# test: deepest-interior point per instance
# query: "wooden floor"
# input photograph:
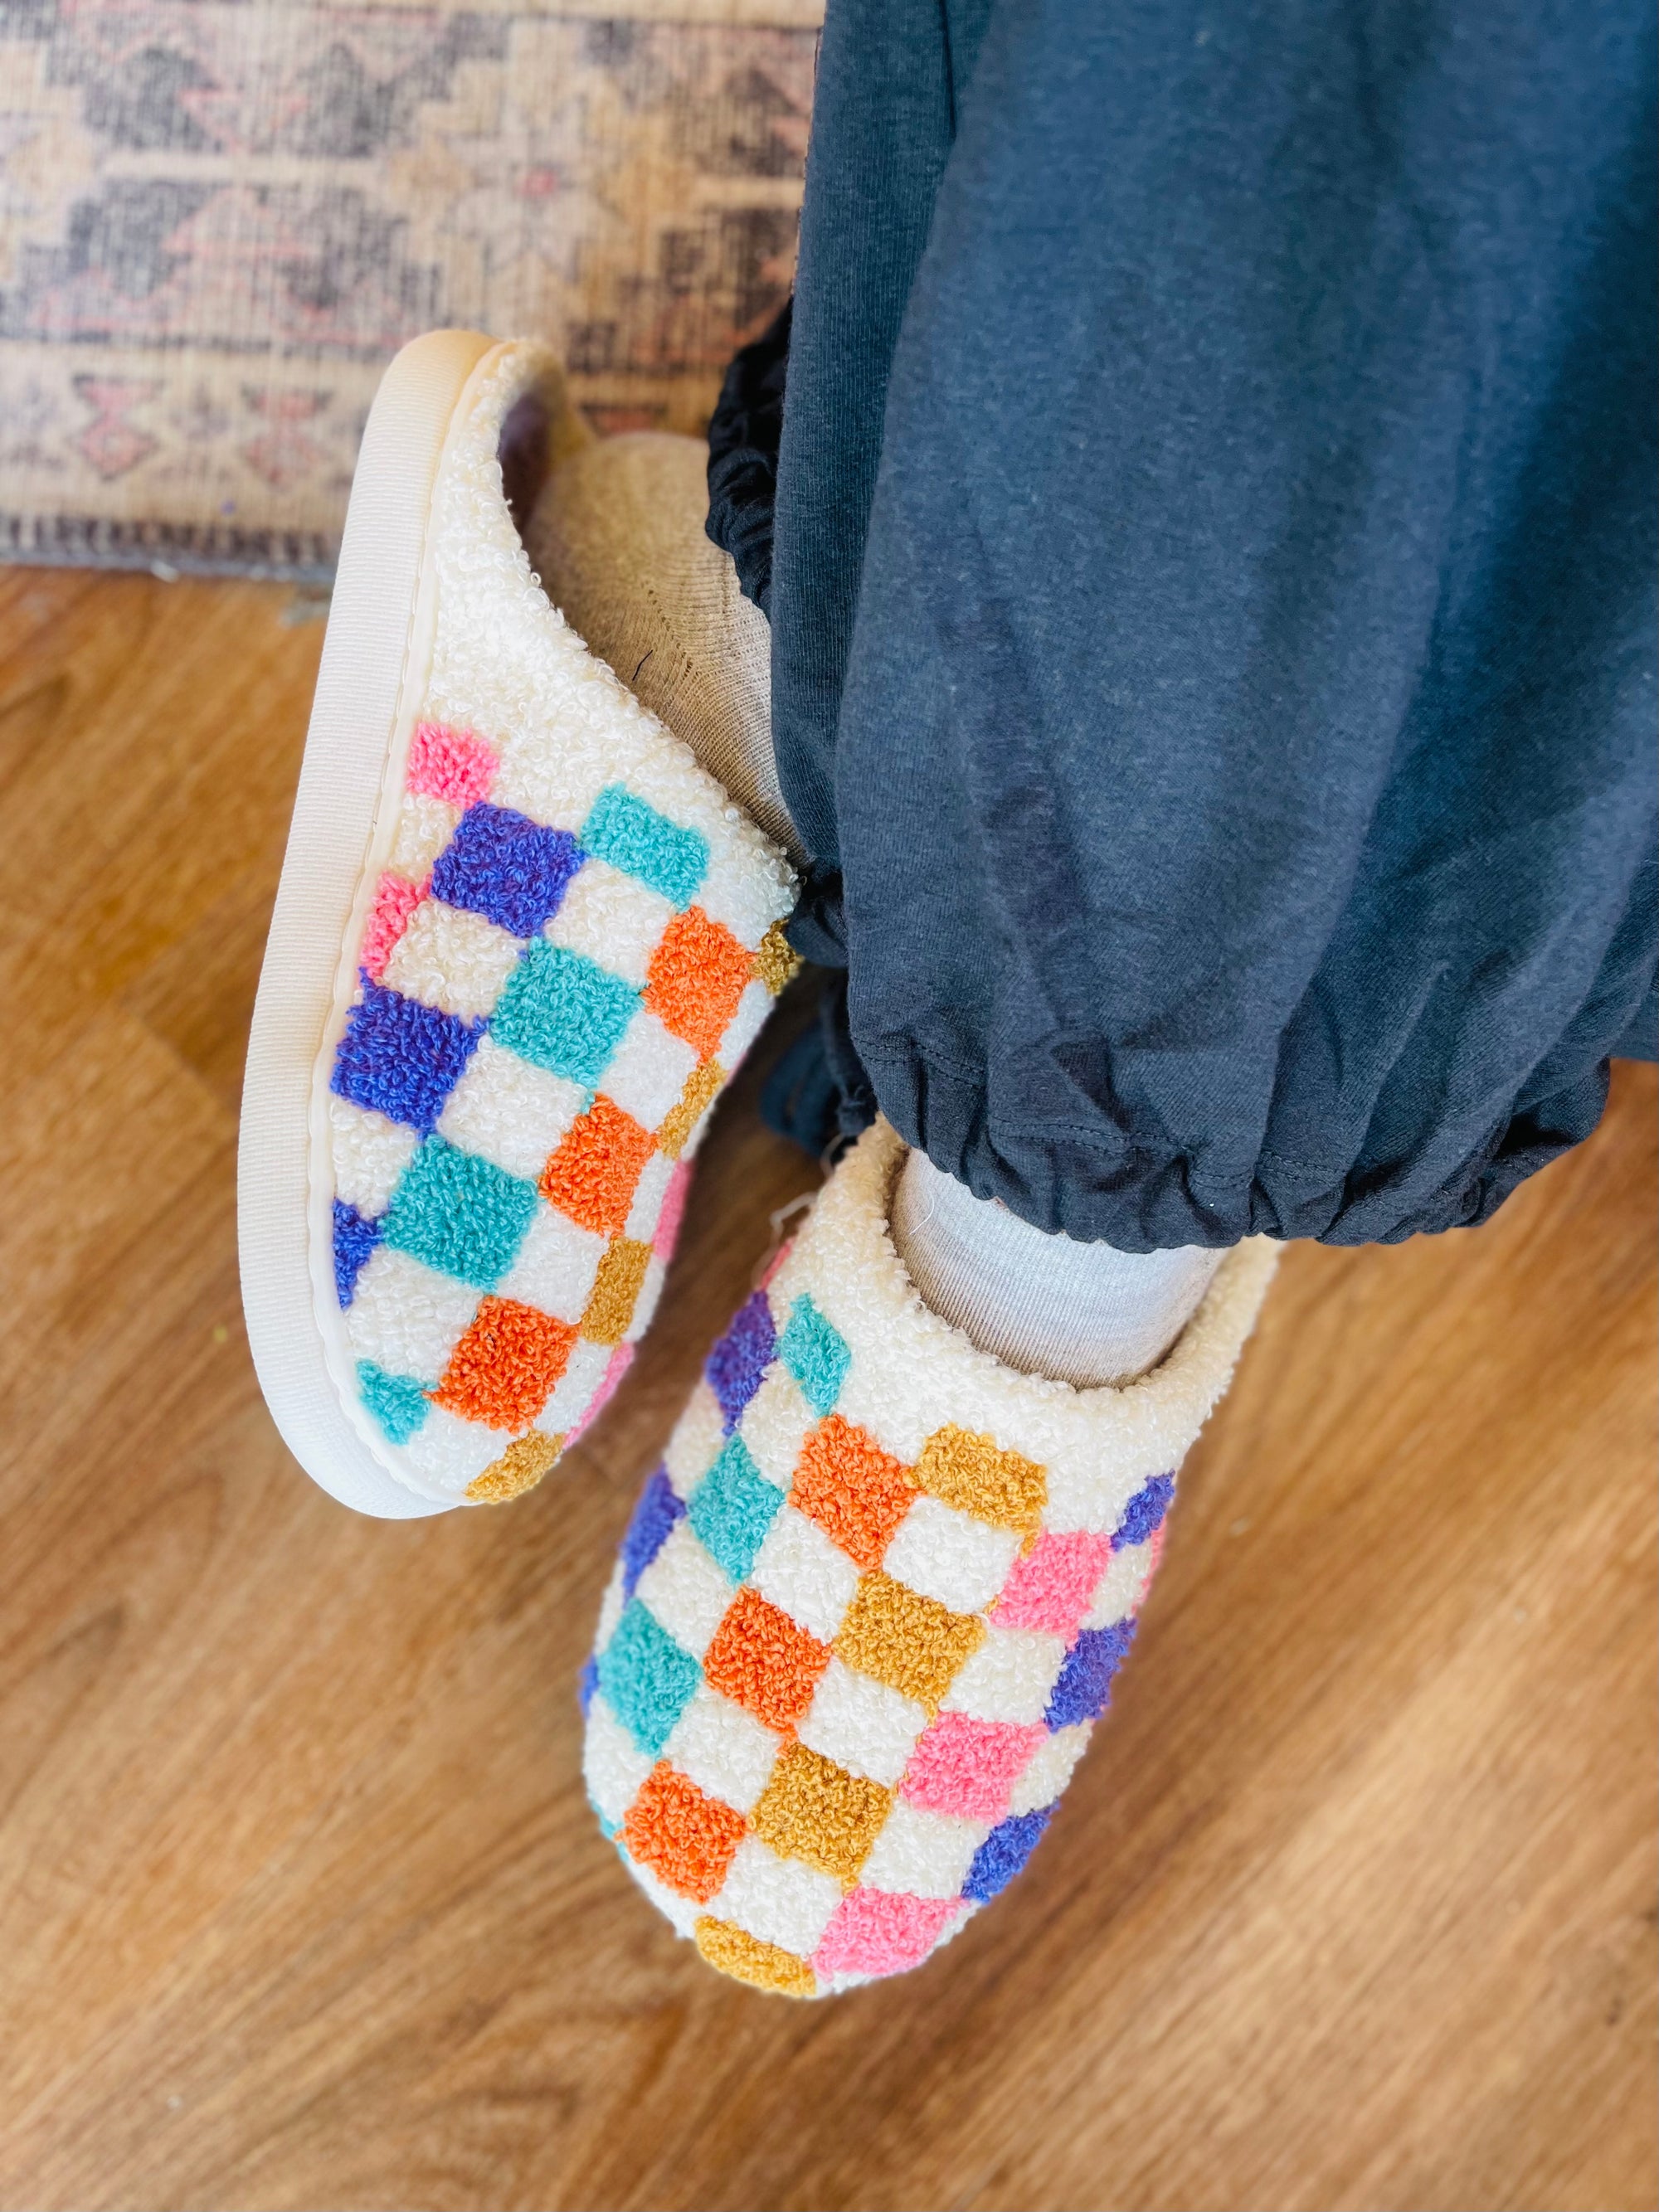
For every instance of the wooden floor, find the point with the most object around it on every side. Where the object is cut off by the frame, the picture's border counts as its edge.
(301, 1905)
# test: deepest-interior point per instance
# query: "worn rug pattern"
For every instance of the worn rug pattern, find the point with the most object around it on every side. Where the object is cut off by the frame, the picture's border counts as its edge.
(219, 218)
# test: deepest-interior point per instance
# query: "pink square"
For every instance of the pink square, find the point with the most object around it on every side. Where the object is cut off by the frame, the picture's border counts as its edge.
(450, 764)
(874, 1932)
(969, 1767)
(1051, 1586)
(775, 1263)
(395, 899)
(621, 1360)
(673, 1213)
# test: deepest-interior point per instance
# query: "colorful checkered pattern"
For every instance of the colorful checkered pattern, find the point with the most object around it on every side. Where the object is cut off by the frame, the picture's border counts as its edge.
(554, 983)
(837, 1691)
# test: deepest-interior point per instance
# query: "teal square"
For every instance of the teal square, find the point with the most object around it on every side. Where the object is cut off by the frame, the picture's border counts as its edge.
(562, 1011)
(733, 1508)
(458, 1214)
(816, 1355)
(646, 1677)
(633, 837)
(397, 1402)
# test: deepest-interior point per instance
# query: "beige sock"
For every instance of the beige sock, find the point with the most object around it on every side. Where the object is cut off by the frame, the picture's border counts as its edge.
(617, 539)
(1085, 1314)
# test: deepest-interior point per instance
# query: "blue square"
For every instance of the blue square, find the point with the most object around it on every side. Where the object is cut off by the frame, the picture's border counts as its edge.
(505, 867)
(397, 1402)
(562, 1011)
(1004, 1853)
(733, 1508)
(655, 1512)
(458, 1214)
(354, 1238)
(402, 1059)
(815, 1355)
(647, 1678)
(633, 837)
(1085, 1688)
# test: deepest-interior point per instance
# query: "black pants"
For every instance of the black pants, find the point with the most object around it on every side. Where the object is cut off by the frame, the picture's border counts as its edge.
(1209, 553)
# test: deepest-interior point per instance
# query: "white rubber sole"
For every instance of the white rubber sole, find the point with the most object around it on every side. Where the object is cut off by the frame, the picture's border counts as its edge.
(376, 658)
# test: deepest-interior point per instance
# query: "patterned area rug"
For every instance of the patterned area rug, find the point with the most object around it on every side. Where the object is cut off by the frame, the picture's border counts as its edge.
(219, 218)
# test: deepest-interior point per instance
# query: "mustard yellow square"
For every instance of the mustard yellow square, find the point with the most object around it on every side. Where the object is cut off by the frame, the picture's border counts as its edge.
(817, 1811)
(912, 1642)
(972, 1473)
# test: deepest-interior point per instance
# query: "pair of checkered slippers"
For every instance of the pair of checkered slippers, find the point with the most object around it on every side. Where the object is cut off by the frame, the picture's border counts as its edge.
(869, 1608)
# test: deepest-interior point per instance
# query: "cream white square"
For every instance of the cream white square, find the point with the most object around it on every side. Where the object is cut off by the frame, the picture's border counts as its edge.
(614, 919)
(778, 1900)
(508, 1112)
(370, 1154)
(801, 1571)
(723, 1749)
(425, 826)
(646, 1072)
(613, 1765)
(1122, 1587)
(683, 1911)
(1050, 1768)
(583, 1374)
(452, 1452)
(698, 1435)
(685, 1591)
(862, 1724)
(557, 1265)
(1010, 1678)
(610, 1607)
(649, 1192)
(406, 1317)
(554, 770)
(452, 960)
(947, 1555)
(920, 1853)
(743, 888)
(775, 1424)
(745, 1025)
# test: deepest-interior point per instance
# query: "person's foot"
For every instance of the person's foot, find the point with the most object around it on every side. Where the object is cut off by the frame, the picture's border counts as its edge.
(521, 941)
(869, 1608)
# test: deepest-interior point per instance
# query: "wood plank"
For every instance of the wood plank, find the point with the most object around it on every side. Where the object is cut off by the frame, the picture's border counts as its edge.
(1352, 1904)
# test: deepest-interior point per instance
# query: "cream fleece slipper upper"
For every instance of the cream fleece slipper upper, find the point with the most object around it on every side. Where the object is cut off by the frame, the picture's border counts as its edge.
(521, 941)
(869, 1609)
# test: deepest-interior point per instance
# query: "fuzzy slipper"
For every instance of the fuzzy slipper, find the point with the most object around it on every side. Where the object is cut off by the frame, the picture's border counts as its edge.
(520, 942)
(870, 1607)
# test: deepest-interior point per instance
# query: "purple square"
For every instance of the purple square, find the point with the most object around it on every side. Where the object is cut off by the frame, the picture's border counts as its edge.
(737, 1364)
(1144, 1512)
(1085, 1688)
(400, 1058)
(1004, 1853)
(654, 1515)
(505, 867)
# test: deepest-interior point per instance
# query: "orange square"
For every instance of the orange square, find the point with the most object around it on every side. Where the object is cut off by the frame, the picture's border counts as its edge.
(763, 1661)
(697, 973)
(592, 1175)
(856, 1493)
(685, 1838)
(503, 1369)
